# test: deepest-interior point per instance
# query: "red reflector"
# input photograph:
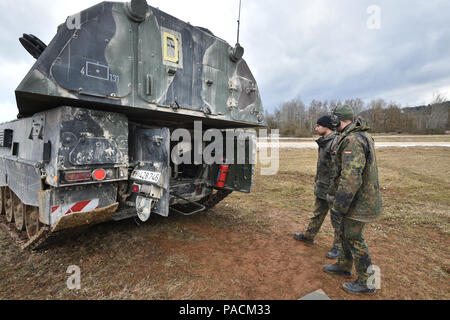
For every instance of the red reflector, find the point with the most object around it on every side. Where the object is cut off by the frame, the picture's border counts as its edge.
(135, 188)
(99, 174)
(78, 176)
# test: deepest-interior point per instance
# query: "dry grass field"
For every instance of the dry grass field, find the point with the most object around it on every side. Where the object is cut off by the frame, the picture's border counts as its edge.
(243, 249)
(393, 138)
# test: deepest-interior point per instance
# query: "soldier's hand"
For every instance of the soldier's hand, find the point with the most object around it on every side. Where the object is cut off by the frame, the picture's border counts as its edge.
(330, 199)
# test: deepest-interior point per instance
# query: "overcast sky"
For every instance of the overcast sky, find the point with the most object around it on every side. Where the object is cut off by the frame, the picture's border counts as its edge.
(313, 49)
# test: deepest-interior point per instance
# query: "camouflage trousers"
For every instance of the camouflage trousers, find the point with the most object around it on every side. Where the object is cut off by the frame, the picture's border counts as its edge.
(354, 248)
(321, 209)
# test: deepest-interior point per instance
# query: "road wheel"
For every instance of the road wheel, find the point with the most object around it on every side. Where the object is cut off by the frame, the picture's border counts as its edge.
(9, 205)
(2, 200)
(32, 224)
(19, 220)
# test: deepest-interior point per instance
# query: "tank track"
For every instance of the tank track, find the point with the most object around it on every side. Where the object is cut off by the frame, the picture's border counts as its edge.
(45, 237)
(21, 238)
(41, 237)
(20, 233)
(41, 240)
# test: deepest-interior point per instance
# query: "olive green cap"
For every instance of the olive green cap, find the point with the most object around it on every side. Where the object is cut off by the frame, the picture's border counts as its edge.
(344, 112)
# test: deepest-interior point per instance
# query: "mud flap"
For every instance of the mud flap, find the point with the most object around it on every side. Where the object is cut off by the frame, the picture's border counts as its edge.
(144, 208)
(90, 218)
(150, 148)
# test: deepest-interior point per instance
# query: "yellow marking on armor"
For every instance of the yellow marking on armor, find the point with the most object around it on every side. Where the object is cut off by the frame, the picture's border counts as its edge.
(174, 59)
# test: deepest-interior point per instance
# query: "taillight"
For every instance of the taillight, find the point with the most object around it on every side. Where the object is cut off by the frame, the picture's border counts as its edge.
(78, 176)
(135, 188)
(99, 175)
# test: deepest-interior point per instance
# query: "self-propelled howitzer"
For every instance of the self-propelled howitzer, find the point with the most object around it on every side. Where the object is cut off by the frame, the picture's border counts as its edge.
(96, 112)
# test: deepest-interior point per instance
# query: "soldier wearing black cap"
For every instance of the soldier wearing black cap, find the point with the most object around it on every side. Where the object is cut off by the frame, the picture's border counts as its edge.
(323, 178)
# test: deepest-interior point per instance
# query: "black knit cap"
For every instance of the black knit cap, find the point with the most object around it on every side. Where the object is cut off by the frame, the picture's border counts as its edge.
(325, 121)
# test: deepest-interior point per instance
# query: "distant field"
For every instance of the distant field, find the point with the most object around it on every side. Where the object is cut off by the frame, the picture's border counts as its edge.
(243, 249)
(410, 138)
(388, 138)
(382, 141)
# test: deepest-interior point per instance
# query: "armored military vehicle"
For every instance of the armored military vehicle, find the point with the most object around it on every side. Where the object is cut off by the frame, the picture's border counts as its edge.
(97, 111)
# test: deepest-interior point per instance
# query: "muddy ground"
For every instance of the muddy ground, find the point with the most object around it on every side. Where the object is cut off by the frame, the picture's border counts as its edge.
(243, 249)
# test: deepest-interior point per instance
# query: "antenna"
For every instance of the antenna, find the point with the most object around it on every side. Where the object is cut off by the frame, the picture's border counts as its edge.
(237, 52)
(239, 20)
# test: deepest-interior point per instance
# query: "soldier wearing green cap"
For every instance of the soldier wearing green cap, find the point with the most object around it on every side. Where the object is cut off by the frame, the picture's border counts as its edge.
(355, 191)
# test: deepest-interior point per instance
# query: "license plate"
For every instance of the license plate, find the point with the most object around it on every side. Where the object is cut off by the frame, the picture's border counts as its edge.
(148, 176)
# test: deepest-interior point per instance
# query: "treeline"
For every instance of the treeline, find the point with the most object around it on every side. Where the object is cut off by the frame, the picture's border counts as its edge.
(295, 119)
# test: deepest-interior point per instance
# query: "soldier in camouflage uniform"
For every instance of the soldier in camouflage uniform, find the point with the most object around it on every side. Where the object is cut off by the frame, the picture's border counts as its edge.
(324, 173)
(356, 192)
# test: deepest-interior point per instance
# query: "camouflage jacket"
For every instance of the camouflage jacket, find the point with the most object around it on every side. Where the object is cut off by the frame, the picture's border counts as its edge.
(324, 165)
(355, 184)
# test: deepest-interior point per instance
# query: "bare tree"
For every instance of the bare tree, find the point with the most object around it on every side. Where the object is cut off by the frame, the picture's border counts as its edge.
(438, 97)
(393, 118)
(376, 115)
(292, 117)
(436, 114)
